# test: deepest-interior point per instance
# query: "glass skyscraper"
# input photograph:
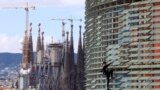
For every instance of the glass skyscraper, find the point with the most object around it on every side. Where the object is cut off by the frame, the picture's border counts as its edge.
(127, 33)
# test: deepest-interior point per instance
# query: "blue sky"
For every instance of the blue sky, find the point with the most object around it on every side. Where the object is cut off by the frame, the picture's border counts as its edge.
(12, 21)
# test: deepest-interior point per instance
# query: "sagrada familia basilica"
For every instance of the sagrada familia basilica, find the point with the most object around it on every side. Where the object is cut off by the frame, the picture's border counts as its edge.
(52, 67)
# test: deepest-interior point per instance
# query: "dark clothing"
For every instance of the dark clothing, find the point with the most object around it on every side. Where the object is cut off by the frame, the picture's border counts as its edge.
(108, 73)
(104, 69)
(111, 73)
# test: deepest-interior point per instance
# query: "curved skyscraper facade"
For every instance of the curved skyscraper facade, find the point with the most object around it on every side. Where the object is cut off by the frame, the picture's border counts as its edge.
(127, 33)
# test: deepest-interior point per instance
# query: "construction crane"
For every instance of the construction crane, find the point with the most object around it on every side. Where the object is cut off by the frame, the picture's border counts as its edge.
(63, 28)
(63, 24)
(71, 20)
(26, 8)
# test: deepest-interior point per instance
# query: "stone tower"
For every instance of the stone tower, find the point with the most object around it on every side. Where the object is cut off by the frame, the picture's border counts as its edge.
(32, 61)
(80, 64)
(25, 50)
(72, 63)
(24, 81)
(31, 53)
(42, 44)
(39, 47)
(66, 77)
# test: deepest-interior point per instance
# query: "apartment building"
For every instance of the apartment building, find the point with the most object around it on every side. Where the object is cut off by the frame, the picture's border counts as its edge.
(127, 33)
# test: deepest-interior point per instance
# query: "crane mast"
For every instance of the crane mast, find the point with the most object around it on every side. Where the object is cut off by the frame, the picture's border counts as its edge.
(27, 14)
(63, 25)
(26, 8)
(71, 20)
(63, 28)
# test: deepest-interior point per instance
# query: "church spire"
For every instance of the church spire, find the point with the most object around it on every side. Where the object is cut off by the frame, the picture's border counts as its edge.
(25, 51)
(71, 48)
(80, 39)
(42, 46)
(80, 65)
(66, 67)
(39, 38)
(39, 47)
(42, 40)
(67, 41)
(72, 64)
(31, 54)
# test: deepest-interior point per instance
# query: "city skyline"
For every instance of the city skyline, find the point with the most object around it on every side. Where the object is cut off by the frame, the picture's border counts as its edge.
(44, 12)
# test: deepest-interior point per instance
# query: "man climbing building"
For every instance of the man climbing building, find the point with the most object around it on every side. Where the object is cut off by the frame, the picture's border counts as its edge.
(107, 72)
